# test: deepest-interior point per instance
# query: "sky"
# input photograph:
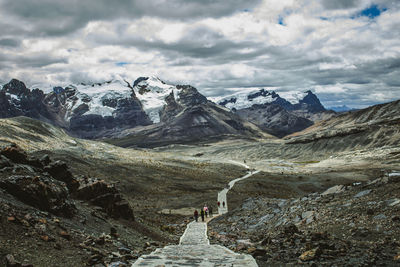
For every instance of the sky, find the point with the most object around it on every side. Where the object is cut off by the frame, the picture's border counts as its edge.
(346, 51)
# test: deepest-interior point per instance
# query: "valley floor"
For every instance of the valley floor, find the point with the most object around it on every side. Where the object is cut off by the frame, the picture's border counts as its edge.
(278, 215)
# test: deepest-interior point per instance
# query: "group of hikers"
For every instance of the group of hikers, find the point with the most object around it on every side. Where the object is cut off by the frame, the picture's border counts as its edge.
(206, 211)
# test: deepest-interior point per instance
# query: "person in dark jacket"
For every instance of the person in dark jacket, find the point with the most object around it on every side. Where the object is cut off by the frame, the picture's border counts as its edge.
(202, 215)
(210, 210)
(196, 215)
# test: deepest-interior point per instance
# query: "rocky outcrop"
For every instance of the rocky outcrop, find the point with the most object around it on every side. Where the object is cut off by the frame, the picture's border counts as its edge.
(171, 109)
(106, 196)
(48, 185)
(189, 96)
(40, 192)
(59, 171)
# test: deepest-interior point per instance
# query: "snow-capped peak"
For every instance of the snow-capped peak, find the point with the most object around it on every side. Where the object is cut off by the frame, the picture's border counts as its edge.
(246, 99)
(152, 92)
(294, 97)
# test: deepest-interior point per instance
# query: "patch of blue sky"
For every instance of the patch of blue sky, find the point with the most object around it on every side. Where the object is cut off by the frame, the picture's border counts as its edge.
(122, 63)
(281, 20)
(371, 12)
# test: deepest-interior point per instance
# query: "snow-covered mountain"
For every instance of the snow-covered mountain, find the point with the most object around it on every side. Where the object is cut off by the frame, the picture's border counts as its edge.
(277, 114)
(290, 100)
(113, 108)
(242, 100)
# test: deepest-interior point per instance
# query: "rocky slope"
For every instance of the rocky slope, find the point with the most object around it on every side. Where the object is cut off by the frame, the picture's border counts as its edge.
(41, 210)
(274, 119)
(276, 114)
(347, 225)
(376, 126)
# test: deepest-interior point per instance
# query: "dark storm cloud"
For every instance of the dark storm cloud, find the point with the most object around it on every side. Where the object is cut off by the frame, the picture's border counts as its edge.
(33, 60)
(9, 42)
(340, 4)
(49, 17)
(199, 42)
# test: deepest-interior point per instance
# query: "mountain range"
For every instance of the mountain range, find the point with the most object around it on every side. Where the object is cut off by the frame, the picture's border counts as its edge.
(149, 112)
(275, 114)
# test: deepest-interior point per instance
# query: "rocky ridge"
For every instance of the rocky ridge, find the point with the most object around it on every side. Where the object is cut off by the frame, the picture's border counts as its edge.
(373, 127)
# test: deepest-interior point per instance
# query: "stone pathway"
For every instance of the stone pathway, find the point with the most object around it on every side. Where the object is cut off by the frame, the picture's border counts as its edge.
(194, 248)
(222, 194)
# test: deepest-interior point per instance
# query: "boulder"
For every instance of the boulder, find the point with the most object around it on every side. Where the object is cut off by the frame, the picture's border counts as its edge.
(334, 190)
(362, 193)
(310, 255)
(11, 262)
(15, 154)
(40, 192)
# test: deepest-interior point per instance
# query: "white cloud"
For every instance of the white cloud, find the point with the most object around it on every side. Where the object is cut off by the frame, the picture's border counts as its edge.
(332, 89)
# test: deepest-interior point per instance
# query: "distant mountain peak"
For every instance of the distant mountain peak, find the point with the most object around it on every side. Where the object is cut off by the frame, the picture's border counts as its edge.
(312, 101)
(342, 108)
(16, 87)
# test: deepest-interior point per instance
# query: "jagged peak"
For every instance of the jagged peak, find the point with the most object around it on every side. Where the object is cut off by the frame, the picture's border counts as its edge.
(15, 87)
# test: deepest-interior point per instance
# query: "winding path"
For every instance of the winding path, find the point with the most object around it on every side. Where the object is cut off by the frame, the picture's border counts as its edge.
(222, 194)
(194, 248)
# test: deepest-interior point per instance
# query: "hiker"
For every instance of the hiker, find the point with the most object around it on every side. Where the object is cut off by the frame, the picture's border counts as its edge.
(219, 204)
(206, 210)
(202, 215)
(210, 210)
(196, 215)
(223, 204)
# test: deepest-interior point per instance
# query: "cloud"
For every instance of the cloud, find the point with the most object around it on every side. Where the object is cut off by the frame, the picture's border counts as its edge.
(75, 14)
(340, 4)
(326, 46)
